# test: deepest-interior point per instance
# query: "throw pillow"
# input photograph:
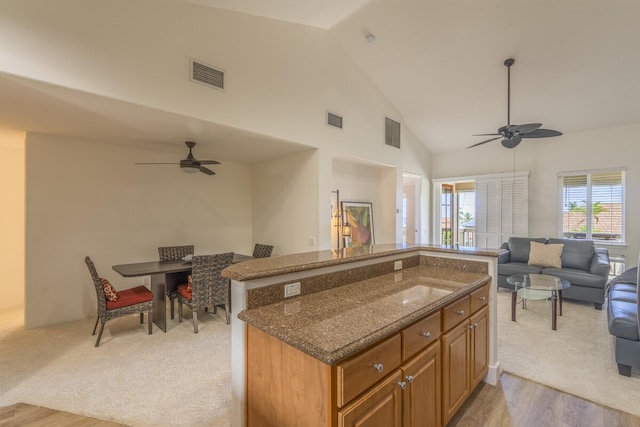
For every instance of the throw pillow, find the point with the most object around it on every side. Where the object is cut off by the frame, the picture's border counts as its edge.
(190, 284)
(109, 291)
(548, 255)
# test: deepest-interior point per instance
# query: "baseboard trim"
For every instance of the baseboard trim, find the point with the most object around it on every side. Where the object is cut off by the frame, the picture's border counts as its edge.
(493, 374)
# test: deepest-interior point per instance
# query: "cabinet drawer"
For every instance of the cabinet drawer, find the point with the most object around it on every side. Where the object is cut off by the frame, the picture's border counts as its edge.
(455, 312)
(420, 335)
(360, 372)
(479, 298)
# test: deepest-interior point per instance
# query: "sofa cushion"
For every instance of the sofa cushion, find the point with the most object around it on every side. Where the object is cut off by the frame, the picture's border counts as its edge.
(519, 248)
(545, 255)
(622, 293)
(514, 268)
(576, 253)
(623, 319)
(577, 277)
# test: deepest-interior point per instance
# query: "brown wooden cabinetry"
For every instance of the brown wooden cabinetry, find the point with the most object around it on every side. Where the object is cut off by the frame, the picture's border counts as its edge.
(421, 398)
(464, 354)
(417, 377)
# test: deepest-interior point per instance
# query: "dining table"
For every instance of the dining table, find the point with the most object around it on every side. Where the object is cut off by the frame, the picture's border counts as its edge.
(165, 278)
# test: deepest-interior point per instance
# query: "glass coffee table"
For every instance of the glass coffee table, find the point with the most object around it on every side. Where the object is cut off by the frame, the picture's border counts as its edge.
(535, 287)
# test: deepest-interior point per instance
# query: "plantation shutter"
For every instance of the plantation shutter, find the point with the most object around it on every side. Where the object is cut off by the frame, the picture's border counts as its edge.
(501, 209)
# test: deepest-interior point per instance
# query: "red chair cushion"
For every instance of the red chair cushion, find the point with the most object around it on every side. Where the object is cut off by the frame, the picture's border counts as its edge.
(130, 297)
(110, 292)
(185, 291)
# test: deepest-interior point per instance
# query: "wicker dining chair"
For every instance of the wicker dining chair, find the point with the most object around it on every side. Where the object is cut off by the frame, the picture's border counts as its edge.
(262, 251)
(209, 288)
(129, 301)
(173, 253)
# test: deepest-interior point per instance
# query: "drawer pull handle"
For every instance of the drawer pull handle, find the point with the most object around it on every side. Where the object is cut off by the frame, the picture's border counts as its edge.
(409, 378)
(483, 299)
(460, 312)
(402, 385)
(426, 334)
(378, 367)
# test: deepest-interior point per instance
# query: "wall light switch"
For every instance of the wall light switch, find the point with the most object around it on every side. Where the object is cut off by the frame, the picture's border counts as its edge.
(292, 289)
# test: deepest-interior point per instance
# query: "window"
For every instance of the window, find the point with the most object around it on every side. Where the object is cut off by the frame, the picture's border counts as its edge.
(593, 205)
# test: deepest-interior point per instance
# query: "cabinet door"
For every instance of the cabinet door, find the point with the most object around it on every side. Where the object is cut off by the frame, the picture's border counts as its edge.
(455, 369)
(421, 404)
(380, 407)
(479, 346)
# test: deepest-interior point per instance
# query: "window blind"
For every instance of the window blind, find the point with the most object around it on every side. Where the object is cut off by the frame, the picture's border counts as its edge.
(593, 206)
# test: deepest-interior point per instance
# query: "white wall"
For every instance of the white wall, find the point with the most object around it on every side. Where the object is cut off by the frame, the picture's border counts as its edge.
(280, 77)
(87, 198)
(544, 158)
(360, 182)
(285, 200)
(12, 218)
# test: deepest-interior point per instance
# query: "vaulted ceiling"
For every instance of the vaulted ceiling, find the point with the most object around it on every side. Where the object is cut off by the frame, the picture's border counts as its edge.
(440, 62)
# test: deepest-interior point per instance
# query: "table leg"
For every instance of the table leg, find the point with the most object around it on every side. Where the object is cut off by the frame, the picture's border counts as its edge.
(514, 298)
(560, 300)
(554, 309)
(159, 290)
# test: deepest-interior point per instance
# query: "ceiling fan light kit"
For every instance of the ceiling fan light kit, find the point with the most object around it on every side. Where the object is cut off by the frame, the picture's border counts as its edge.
(191, 164)
(512, 135)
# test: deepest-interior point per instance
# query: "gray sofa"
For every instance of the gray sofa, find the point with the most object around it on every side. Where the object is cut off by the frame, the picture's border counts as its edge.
(583, 265)
(623, 314)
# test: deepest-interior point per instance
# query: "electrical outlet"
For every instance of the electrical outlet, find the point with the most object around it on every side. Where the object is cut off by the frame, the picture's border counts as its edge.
(397, 265)
(292, 289)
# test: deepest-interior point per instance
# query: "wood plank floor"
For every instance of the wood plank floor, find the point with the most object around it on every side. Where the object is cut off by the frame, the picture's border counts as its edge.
(514, 402)
(22, 414)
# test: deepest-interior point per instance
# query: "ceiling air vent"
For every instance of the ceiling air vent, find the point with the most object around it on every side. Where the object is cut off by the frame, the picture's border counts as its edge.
(334, 120)
(206, 75)
(391, 132)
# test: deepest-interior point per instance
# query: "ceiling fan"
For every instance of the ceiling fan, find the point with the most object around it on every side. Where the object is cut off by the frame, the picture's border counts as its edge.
(190, 164)
(512, 134)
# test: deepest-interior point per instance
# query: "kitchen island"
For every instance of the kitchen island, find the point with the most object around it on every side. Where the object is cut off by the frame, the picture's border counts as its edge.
(352, 302)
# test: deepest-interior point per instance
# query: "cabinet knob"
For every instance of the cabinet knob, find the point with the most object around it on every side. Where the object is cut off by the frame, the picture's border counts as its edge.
(426, 334)
(378, 367)
(409, 378)
(402, 385)
(475, 325)
(483, 299)
(460, 312)
(470, 326)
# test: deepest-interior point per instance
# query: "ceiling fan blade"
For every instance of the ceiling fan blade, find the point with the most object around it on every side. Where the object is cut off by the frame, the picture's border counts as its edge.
(156, 163)
(484, 142)
(526, 128)
(207, 171)
(208, 162)
(542, 133)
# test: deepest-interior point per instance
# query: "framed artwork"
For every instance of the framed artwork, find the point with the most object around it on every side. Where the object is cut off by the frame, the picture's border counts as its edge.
(360, 216)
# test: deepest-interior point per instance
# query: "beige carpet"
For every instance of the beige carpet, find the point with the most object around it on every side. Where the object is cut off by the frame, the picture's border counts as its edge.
(577, 358)
(176, 378)
(180, 378)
